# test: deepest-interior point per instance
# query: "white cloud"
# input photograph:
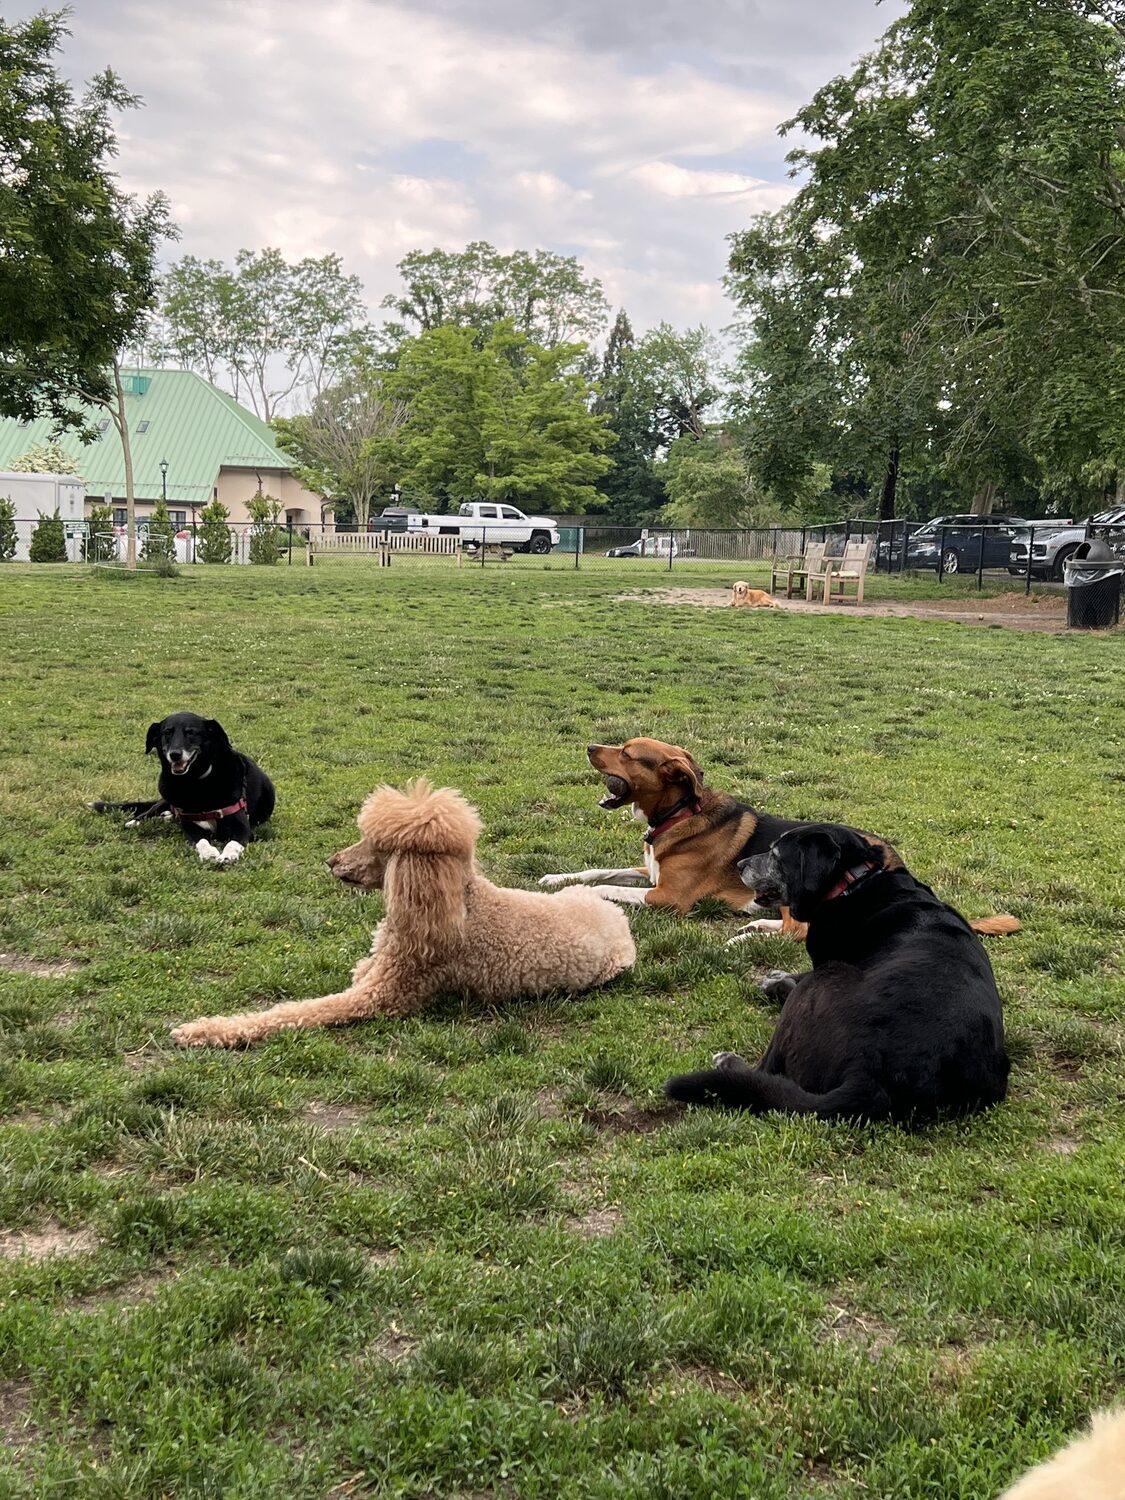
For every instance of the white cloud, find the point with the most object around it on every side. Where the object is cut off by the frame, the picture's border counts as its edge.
(625, 134)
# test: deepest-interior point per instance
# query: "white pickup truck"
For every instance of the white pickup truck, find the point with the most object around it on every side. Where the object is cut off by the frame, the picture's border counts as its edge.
(494, 524)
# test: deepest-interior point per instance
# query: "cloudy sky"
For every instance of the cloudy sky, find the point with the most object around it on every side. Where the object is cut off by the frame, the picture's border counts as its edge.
(634, 134)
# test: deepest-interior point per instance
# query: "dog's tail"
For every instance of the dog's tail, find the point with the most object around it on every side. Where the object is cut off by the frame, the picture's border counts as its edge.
(1001, 925)
(750, 1088)
(430, 835)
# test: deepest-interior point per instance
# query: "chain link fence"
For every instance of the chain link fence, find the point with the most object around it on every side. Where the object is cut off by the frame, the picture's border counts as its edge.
(991, 546)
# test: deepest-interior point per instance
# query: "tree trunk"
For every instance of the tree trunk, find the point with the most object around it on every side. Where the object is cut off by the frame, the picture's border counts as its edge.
(890, 487)
(983, 499)
(1119, 497)
(122, 426)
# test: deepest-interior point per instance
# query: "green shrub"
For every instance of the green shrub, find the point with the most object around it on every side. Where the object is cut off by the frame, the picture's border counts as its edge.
(100, 544)
(264, 532)
(48, 540)
(213, 544)
(8, 538)
(159, 545)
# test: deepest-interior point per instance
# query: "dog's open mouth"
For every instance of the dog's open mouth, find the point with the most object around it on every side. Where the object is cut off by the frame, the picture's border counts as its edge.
(178, 768)
(618, 792)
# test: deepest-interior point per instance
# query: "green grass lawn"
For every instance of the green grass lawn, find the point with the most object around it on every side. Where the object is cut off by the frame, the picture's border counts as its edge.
(470, 1254)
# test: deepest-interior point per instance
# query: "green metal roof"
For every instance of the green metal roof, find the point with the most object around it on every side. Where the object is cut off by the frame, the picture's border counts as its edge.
(196, 427)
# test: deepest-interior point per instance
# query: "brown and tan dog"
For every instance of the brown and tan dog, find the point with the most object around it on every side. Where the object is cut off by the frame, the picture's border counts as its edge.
(696, 838)
(742, 596)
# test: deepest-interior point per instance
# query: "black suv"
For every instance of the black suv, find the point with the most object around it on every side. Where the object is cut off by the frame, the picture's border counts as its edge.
(957, 542)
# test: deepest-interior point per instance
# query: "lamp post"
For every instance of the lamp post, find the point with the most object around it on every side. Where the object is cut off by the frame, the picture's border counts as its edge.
(164, 481)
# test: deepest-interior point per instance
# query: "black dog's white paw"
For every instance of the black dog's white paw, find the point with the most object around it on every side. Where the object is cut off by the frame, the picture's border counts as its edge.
(725, 1061)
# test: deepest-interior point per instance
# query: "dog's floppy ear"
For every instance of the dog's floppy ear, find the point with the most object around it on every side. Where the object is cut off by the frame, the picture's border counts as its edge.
(219, 739)
(152, 738)
(682, 768)
(816, 859)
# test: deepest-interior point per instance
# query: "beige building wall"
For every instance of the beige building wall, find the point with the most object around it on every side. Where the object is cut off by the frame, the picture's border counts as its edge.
(236, 488)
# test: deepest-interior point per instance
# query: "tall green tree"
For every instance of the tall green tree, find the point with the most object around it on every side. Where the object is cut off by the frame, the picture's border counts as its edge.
(963, 204)
(674, 381)
(337, 443)
(631, 489)
(266, 328)
(506, 418)
(77, 254)
(546, 297)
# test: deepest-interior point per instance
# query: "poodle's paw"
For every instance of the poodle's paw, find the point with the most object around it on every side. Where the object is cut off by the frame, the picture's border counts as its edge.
(778, 985)
(231, 852)
(207, 851)
(728, 1062)
(551, 881)
(209, 1033)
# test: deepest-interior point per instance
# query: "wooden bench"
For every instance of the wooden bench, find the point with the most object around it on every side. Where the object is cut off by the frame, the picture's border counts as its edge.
(842, 572)
(382, 545)
(799, 572)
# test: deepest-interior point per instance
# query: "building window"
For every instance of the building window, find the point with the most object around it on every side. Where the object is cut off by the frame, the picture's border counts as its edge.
(120, 516)
(142, 427)
(103, 424)
(179, 518)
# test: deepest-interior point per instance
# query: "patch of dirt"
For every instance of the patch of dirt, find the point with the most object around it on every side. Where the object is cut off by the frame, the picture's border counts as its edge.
(137, 1062)
(1066, 1067)
(550, 1102)
(1037, 612)
(630, 1120)
(846, 1326)
(1061, 1145)
(393, 1345)
(598, 1224)
(131, 1293)
(39, 968)
(717, 1381)
(16, 1430)
(334, 1116)
(382, 1257)
(30, 1118)
(38, 1244)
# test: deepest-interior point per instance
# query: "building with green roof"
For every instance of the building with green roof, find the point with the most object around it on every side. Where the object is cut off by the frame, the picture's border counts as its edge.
(213, 449)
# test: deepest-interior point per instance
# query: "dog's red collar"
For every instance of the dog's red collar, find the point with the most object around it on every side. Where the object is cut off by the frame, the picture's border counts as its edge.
(682, 810)
(216, 812)
(851, 878)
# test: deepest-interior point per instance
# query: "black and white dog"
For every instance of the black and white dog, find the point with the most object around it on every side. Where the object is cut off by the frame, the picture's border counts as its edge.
(213, 791)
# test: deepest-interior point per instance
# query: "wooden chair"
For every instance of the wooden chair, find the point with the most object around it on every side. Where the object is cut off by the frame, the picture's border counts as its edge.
(798, 572)
(842, 573)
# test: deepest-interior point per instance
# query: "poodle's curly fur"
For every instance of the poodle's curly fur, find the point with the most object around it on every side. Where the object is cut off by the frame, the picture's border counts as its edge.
(1092, 1467)
(447, 929)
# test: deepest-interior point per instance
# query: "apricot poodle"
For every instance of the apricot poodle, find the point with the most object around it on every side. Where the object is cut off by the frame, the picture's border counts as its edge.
(1092, 1467)
(447, 930)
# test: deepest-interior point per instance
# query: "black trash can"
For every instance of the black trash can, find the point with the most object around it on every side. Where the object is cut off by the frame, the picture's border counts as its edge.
(1093, 587)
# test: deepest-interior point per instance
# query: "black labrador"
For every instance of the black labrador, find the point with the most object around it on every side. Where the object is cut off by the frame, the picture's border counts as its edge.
(899, 1017)
(213, 791)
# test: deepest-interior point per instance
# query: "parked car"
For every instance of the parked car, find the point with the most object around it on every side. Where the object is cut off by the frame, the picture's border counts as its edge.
(653, 546)
(956, 542)
(487, 522)
(393, 518)
(1052, 545)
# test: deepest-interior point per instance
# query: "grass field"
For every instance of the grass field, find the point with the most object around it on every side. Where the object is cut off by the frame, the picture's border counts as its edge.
(470, 1254)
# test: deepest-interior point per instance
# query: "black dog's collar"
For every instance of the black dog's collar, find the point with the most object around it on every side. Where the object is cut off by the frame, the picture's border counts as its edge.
(686, 807)
(216, 812)
(857, 875)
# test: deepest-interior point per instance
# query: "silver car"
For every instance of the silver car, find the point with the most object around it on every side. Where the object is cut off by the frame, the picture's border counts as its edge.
(1051, 546)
